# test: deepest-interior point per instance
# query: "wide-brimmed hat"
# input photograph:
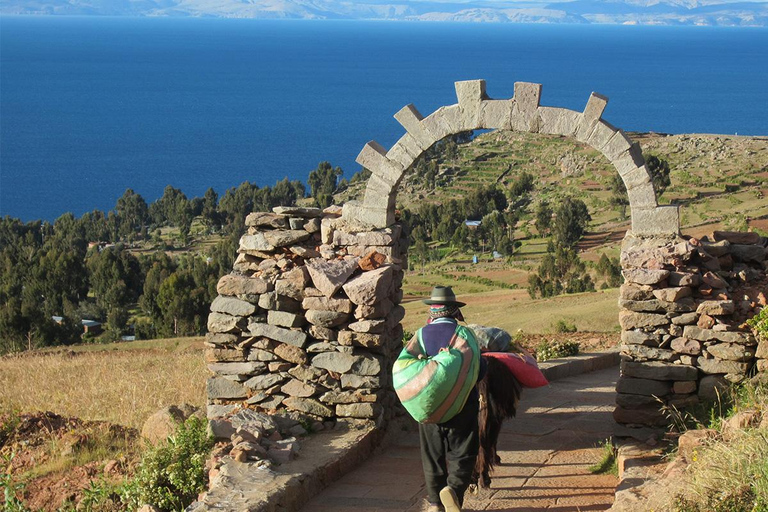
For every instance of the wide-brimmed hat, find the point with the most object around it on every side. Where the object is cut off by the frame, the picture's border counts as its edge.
(443, 295)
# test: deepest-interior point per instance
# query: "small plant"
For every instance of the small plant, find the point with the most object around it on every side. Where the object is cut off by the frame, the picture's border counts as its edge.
(171, 475)
(607, 464)
(407, 335)
(562, 326)
(759, 323)
(11, 502)
(553, 349)
(101, 495)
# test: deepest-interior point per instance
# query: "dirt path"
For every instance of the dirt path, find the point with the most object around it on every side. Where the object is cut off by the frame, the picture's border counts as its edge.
(545, 453)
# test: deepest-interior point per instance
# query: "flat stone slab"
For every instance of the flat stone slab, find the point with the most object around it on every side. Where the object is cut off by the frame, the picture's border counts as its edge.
(324, 457)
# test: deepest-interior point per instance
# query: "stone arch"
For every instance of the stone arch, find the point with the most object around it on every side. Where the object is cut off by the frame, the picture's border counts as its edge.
(523, 112)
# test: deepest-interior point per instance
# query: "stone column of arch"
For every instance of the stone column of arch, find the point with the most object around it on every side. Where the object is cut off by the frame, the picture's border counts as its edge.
(523, 112)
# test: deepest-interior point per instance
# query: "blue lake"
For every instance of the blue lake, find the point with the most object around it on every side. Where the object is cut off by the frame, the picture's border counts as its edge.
(91, 106)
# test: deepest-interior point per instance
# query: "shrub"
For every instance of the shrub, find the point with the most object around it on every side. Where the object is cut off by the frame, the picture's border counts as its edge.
(562, 326)
(171, 475)
(554, 349)
(759, 323)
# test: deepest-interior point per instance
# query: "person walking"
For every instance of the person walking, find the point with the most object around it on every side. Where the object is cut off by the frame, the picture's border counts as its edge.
(448, 430)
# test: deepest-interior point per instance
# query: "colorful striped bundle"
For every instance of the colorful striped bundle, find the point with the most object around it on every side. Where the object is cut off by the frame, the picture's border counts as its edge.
(435, 389)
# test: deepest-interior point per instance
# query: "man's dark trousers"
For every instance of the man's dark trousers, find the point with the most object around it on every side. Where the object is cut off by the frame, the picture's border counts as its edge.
(449, 451)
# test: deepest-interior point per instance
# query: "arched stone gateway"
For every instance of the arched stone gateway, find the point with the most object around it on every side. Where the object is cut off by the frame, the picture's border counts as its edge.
(475, 111)
(307, 325)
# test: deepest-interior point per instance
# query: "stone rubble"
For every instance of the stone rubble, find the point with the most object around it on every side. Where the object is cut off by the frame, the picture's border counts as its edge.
(304, 331)
(684, 305)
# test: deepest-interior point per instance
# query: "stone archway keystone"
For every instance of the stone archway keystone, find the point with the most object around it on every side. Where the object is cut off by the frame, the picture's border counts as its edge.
(523, 112)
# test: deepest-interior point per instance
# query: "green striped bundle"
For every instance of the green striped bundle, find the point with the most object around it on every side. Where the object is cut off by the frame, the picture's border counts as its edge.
(435, 389)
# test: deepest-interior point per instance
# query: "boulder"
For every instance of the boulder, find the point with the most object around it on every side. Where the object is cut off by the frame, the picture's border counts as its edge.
(737, 237)
(162, 424)
(748, 253)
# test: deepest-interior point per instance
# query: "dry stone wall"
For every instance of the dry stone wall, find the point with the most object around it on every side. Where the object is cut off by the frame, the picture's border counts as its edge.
(683, 308)
(308, 322)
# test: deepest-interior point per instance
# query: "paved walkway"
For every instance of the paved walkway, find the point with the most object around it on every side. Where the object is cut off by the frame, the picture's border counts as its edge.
(545, 452)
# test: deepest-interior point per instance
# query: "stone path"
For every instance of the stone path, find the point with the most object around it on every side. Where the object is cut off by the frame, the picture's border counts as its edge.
(545, 453)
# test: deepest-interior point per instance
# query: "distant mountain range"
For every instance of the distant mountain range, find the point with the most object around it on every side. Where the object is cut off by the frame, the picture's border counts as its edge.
(628, 12)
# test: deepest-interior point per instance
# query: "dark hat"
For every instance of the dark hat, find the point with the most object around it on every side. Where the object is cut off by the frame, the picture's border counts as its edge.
(443, 295)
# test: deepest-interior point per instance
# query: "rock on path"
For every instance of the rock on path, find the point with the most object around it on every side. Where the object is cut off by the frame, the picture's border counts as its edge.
(545, 455)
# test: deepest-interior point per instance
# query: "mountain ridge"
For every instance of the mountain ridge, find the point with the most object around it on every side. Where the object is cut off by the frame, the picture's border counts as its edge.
(627, 12)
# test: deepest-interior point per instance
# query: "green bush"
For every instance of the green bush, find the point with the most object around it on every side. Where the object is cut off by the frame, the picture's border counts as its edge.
(562, 326)
(172, 474)
(554, 349)
(759, 323)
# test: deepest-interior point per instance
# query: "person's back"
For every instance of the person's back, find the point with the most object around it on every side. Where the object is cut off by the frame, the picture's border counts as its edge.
(449, 449)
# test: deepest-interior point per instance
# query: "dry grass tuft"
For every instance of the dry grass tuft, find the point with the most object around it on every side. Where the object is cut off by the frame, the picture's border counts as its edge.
(123, 387)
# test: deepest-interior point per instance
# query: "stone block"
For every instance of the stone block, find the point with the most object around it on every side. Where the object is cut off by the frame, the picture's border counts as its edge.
(322, 333)
(495, 114)
(368, 340)
(443, 122)
(662, 220)
(716, 307)
(719, 366)
(309, 406)
(644, 276)
(221, 339)
(642, 197)
(527, 97)
(638, 337)
(737, 237)
(632, 291)
(360, 410)
(374, 158)
(731, 352)
(642, 352)
(686, 346)
(289, 336)
(223, 323)
(232, 306)
(601, 135)
(470, 94)
(292, 283)
(748, 253)
(634, 320)
(594, 109)
(404, 151)
(628, 401)
(284, 319)
(368, 287)
(340, 362)
(350, 381)
(299, 389)
(658, 371)
(264, 381)
(369, 216)
(646, 387)
(329, 276)
(672, 294)
(410, 118)
(221, 388)
(235, 368)
(711, 387)
(684, 279)
(650, 415)
(265, 219)
(326, 318)
(240, 285)
(617, 145)
(368, 326)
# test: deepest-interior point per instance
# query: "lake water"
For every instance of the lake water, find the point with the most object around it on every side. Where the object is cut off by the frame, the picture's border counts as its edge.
(91, 106)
